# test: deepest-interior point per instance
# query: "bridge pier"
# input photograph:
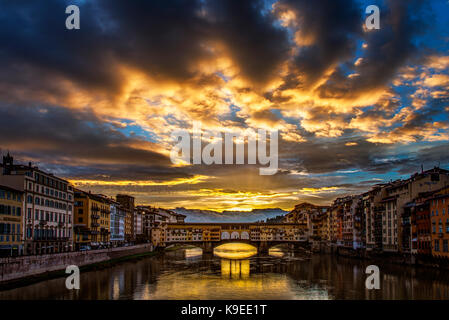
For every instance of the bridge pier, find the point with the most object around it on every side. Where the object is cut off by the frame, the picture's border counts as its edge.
(208, 248)
(262, 247)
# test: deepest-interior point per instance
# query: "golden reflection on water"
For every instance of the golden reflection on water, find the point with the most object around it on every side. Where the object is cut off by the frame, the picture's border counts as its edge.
(235, 251)
(276, 252)
(234, 269)
(235, 281)
(193, 252)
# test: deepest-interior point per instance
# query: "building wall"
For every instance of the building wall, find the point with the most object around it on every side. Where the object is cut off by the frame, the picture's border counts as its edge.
(48, 207)
(11, 211)
(92, 219)
(439, 206)
(128, 225)
(117, 223)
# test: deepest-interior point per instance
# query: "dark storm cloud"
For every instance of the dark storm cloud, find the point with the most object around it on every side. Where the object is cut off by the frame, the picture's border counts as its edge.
(36, 45)
(429, 157)
(332, 26)
(164, 39)
(317, 156)
(56, 133)
(250, 35)
(388, 49)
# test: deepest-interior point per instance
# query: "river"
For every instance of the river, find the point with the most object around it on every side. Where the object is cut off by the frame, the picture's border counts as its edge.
(237, 272)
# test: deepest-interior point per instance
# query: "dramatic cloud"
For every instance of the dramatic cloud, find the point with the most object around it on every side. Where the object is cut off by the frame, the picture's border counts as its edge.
(353, 106)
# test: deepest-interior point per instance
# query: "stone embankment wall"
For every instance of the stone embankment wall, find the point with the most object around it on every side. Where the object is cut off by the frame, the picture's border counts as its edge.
(26, 266)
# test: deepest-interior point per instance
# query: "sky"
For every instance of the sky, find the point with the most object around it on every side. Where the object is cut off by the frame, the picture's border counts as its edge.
(354, 107)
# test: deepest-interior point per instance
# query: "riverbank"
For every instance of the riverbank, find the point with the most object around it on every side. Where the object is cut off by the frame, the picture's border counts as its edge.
(388, 257)
(22, 271)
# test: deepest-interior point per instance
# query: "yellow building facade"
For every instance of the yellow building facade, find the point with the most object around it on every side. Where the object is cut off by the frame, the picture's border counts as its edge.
(11, 216)
(92, 219)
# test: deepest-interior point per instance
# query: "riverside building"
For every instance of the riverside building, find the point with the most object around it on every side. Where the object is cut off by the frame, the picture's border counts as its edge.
(47, 209)
(117, 229)
(92, 220)
(439, 216)
(11, 208)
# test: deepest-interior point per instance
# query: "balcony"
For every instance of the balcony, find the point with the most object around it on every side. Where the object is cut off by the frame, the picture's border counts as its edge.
(95, 216)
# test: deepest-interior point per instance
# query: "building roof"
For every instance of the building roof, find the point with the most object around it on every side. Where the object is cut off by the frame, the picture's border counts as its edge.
(6, 188)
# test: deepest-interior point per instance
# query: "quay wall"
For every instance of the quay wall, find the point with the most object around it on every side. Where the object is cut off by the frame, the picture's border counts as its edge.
(27, 266)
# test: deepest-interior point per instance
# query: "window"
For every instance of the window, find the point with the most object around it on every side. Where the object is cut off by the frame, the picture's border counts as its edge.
(437, 245)
(30, 199)
(445, 245)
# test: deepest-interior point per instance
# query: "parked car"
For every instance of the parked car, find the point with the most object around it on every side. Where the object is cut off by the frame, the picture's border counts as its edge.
(85, 248)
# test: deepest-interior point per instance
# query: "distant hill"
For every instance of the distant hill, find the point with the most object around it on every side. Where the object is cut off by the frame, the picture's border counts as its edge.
(196, 215)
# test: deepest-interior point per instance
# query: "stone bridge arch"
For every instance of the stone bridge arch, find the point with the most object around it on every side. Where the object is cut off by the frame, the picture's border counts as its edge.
(262, 246)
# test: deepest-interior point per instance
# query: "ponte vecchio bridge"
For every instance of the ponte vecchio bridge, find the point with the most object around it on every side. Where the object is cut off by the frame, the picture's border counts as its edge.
(207, 236)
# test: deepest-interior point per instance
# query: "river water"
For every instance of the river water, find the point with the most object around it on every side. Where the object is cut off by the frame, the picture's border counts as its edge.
(236, 272)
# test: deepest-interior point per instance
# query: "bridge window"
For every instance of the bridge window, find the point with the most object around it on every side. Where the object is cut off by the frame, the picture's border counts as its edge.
(225, 235)
(235, 235)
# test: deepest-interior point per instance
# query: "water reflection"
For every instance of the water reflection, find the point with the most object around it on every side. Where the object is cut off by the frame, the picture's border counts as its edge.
(276, 252)
(234, 269)
(187, 274)
(235, 251)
